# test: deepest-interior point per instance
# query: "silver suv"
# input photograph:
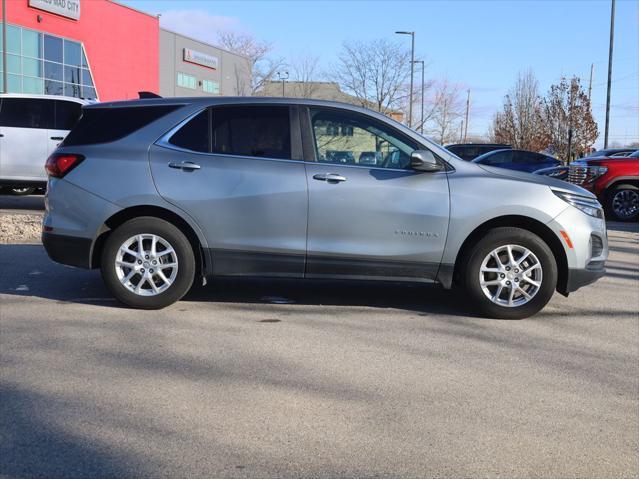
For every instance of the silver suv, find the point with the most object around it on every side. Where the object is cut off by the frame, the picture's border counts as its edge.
(158, 192)
(31, 128)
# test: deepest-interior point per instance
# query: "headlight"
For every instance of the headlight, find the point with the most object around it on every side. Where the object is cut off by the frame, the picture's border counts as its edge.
(590, 206)
(595, 172)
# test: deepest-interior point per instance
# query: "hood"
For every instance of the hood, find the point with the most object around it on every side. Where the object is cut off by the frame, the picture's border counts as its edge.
(553, 183)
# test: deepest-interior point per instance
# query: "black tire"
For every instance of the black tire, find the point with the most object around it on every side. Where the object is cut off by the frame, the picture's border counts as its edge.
(22, 191)
(501, 237)
(613, 193)
(171, 234)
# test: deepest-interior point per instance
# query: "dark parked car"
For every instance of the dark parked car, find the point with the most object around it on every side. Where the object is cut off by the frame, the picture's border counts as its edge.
(559, 172)
(519, 160)
(611, 153)
(470, 151)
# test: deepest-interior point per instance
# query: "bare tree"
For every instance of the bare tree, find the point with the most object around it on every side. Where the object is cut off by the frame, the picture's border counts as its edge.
(448, 108)
(519, 123)
(566, 108)
(374, 72)
(305, 70)
(260, 66)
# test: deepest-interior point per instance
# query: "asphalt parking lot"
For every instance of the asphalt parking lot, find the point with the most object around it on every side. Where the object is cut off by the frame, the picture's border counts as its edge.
(250, 378)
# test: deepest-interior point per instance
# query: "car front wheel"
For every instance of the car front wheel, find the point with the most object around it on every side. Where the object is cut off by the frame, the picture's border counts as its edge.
(510, 273)
(148, 263)
(623, 203)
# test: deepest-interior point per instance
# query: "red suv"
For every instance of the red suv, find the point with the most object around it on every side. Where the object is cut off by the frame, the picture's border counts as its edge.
(615, 181)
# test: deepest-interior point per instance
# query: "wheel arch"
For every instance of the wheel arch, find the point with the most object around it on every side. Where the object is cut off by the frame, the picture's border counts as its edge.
(124, 215)
(516, 221)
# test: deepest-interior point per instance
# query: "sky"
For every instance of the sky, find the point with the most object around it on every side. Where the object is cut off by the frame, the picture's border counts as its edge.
(480, 45)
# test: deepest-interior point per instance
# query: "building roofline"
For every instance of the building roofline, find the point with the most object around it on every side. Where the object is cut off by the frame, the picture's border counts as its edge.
(202, 42)
(135, 9)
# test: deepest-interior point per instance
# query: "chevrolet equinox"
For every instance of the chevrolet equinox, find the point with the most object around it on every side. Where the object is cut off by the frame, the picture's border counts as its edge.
(159, 192)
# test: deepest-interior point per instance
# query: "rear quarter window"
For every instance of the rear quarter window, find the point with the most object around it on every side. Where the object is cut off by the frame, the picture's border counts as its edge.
(104, 125)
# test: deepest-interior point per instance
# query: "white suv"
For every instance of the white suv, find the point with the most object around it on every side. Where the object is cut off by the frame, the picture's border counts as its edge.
(31, 127)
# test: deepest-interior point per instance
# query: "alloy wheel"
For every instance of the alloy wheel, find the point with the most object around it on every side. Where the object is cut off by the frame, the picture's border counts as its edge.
(625, 204)
(146, 264)
(510, 275)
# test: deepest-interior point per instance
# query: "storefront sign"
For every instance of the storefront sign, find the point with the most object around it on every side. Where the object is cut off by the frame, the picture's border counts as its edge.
(200, 58)
(65, 8)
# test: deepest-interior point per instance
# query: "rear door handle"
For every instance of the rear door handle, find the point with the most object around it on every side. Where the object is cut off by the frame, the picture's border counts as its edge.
(184, 165)
(57, 138)
(330, 177)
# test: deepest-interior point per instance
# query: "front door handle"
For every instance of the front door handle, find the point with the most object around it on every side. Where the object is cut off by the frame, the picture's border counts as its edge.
(57, 138)
(330, 177)
(184, 165)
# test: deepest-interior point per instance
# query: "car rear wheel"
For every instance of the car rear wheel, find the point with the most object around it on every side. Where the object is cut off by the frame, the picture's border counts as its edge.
(622, 203)
(510, 273)
(148, 263)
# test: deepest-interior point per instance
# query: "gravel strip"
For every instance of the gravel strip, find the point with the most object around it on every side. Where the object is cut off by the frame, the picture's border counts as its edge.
(20, 228)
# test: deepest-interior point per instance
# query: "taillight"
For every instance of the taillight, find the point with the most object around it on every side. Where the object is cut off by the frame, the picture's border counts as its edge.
(59, 164)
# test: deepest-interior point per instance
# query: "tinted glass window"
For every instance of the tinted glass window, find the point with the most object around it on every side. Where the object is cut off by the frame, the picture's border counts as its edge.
(262, 131)
(53, 48)
(102, 125)
(26, 113)
(498, 158)
(195, 135)
(349, 138)
(66, 114)
(72, 53)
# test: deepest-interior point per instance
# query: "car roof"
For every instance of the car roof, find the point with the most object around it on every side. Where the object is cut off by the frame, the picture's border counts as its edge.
(241, 100)
(481, 144)
(45, 97)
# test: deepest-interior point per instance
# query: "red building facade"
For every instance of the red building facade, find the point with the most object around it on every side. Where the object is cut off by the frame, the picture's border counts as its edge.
(119, 48)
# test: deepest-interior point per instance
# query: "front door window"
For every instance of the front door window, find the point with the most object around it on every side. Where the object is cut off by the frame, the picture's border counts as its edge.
(352, 139)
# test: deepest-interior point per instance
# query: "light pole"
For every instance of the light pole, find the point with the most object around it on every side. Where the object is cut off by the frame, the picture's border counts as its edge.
(412, 61)
(421, 120)
(612, 38)
(283, 76)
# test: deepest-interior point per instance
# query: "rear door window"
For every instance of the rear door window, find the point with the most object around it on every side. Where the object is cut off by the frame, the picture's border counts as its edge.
(67, 114)
(27, 113)
(258, 131)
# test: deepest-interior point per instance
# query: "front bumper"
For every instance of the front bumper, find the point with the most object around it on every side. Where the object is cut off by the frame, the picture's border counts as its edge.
(582, 277)
(587, 252)
(69, 250)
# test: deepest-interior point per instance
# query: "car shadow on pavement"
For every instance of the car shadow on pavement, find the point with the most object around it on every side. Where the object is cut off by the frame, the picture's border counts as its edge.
(27, 271)
(34, 446)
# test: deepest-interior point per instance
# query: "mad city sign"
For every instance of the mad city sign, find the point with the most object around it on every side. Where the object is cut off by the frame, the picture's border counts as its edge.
(200, 58)
(65, 8)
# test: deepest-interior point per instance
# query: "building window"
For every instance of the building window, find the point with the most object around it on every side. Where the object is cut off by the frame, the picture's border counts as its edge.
(43, 63)
(186, 81)
(210, 86)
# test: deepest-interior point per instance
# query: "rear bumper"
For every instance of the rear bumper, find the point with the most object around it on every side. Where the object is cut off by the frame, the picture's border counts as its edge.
(69, 250)
(582, 277)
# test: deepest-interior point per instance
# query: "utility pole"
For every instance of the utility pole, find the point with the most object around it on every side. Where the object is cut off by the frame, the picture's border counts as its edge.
(467, 109)
(612, 38)
(412, 71)
(570, 108)
(421, 124)
(592, 67)
(4, 46)
(461, 131)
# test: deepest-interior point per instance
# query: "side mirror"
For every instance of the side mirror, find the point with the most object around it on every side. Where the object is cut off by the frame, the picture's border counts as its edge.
(424, 160)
